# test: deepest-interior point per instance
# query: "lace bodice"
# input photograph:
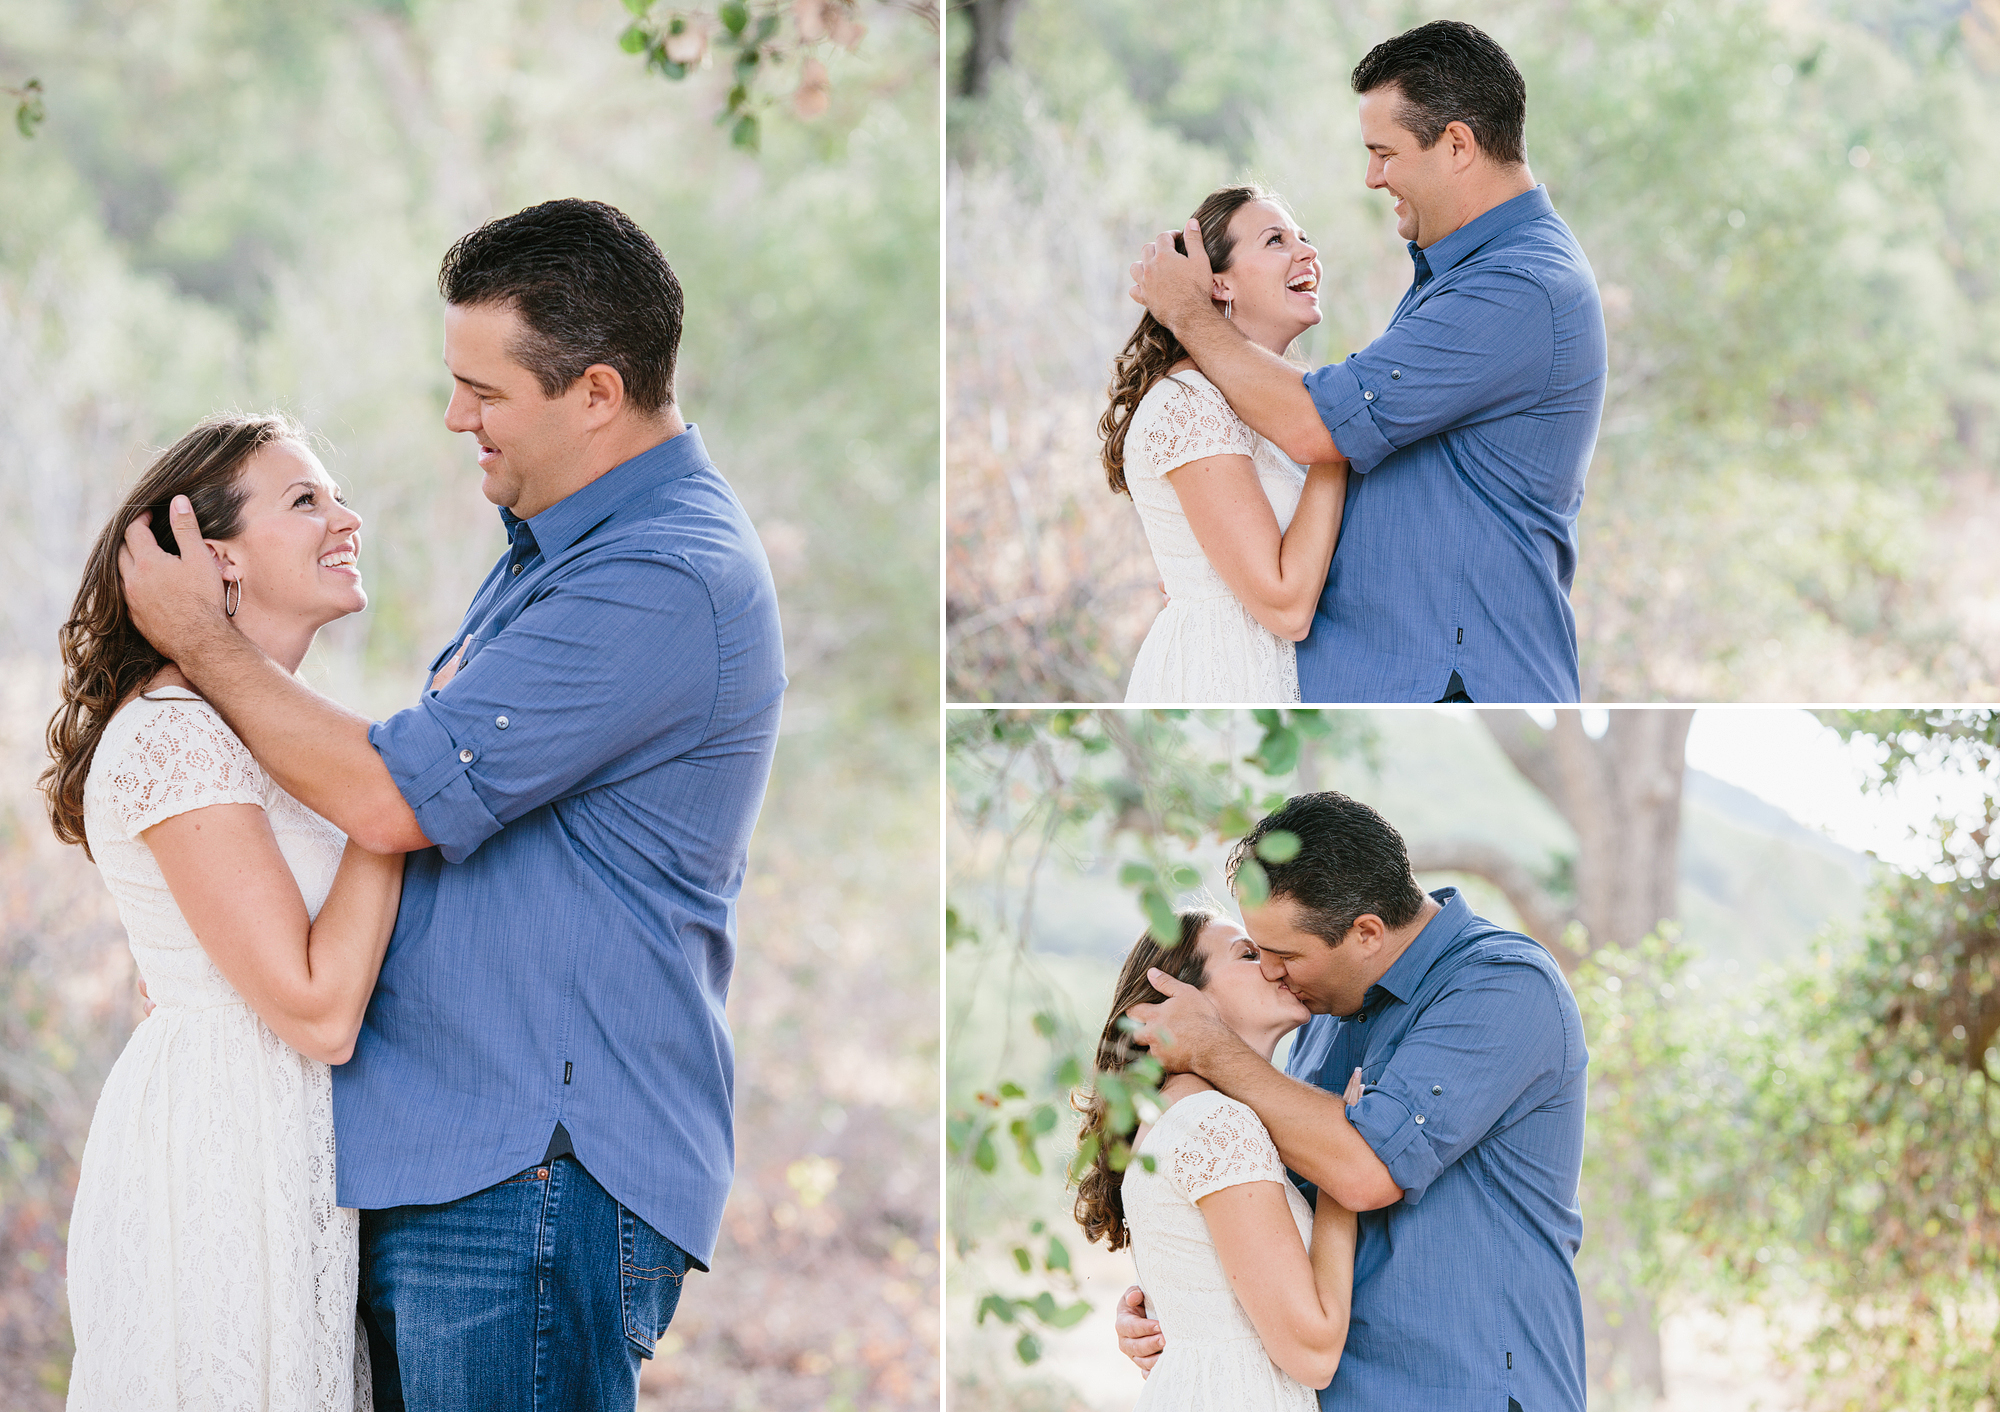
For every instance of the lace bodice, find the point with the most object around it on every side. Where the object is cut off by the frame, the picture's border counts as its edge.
(1202, 1144)
(1184, 418)
(209, 1265)
(1205, 646)
(167, 753)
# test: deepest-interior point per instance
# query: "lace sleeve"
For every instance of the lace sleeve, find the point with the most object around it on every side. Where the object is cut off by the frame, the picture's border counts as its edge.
(182, 757)
(1194, 421)
(1226, 1147)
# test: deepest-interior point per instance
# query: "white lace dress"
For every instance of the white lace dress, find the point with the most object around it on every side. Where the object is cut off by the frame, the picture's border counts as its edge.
(1213, 1359)
(208, 1265)
(1205, 646)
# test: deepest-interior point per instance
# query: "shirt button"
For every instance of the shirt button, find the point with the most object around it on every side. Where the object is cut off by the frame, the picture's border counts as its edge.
(1435, 1090)
(1395, 372)
(517, 568)
(1420, 1120)
(501, 722)
(465, 756)
(1367, 397)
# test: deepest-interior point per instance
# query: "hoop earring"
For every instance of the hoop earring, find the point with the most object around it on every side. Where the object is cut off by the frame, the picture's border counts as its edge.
(1229, 309)
(231, 602)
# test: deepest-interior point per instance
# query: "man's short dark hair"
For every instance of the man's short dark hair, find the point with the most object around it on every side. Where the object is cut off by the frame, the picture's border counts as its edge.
(1351, 862)
(1448, 71)
(590, 287)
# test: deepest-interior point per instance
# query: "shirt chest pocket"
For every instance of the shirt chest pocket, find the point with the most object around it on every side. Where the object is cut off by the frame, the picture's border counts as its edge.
(451, 661)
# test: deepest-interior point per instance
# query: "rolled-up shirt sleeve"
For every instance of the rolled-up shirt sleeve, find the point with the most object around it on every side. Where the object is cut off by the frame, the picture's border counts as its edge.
(623, 650)
(1474, 1053)
(1483, 347)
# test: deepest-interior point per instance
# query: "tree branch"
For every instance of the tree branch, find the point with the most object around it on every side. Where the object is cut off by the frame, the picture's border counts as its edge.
(1543, 916)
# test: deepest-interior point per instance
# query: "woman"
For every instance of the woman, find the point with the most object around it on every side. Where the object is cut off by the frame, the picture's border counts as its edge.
(1250, 1288)
(208, 1263)
(1242, 536)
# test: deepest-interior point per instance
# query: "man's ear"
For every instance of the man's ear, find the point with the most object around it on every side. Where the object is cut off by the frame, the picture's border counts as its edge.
(603, 394)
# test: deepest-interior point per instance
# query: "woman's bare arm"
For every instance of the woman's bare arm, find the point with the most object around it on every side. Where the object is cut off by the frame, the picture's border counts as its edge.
(1277, 576)
(308, 979)
(1297, 1302)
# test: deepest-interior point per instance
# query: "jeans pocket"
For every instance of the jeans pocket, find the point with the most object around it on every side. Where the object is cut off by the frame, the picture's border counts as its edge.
(650, 1271)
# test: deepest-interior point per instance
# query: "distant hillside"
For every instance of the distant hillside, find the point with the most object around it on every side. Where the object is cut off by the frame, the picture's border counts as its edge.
(1756, 885)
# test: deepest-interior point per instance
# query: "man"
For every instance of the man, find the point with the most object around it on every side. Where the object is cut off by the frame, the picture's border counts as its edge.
(1469, 423)
(536, 1120)
(1439, 1091)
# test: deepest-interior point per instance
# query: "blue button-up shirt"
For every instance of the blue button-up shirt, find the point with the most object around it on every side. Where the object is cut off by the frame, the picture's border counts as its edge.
(590, 777)
(1471, 422)
(1465, 1291)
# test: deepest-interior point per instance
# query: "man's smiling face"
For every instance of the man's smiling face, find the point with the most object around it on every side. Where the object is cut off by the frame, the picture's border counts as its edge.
(1399, 165)
(523, 436)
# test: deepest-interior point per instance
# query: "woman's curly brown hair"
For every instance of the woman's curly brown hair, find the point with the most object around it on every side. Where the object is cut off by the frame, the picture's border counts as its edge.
(1152, 348)
(1100, 1198)
(105, 660)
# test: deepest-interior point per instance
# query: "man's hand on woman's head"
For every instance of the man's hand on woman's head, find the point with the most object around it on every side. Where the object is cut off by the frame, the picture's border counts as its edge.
(1169, 283)
(170, 598)
(1139, 1338)
(1178, 1029)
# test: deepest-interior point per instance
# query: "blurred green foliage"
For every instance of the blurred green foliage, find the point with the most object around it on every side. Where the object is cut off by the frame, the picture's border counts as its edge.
(1788, 215)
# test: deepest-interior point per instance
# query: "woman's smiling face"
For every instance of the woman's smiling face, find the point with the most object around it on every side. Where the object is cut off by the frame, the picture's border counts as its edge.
(1259, 1010)
(296, 553)
(1273, 275)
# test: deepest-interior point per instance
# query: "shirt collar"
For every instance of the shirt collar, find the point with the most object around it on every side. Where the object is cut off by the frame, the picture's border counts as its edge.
(1402, 979)
(576, 515)
(1454, 248)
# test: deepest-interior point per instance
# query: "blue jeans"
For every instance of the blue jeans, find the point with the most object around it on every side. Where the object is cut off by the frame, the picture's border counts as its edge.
(540, 1294)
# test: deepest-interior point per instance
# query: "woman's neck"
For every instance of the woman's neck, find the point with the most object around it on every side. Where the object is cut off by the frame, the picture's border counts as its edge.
(285, 643)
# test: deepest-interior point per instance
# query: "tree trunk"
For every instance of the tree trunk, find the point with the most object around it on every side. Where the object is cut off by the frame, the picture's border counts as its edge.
(1621, 793)
(992, 43)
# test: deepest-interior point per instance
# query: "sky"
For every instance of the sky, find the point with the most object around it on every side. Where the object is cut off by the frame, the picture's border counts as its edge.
(1786, 757)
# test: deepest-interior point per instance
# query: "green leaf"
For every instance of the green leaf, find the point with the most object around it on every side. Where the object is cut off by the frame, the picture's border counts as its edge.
(1160, 919)
(766, 27)
(1069, 1073)
(1146, 1161)
(1135, 874)
(734, 14)
(1270, 720)
(1086, 1155)
(745, 134)
(1068, 1317)
(999, 1306)
(1278, 846)
(1028, 1349)
(958, 1131)
(639, 7)
(659, 61)
(1183, 875)
(1011, 1089)
(634, 40)
(1253, 885)
(985, 1157)
(1045, 1024)
(1058, 1256)
(1023, 1259)
(1042, 1120)
(1279, 754)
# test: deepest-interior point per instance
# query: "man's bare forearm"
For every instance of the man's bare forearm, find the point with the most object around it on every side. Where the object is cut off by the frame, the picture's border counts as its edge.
(316, 749)
(1267, 392)
(1308, 1124)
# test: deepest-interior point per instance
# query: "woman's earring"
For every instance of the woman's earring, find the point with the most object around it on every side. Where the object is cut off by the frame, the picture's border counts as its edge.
(1229, 308)
(232, 601)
